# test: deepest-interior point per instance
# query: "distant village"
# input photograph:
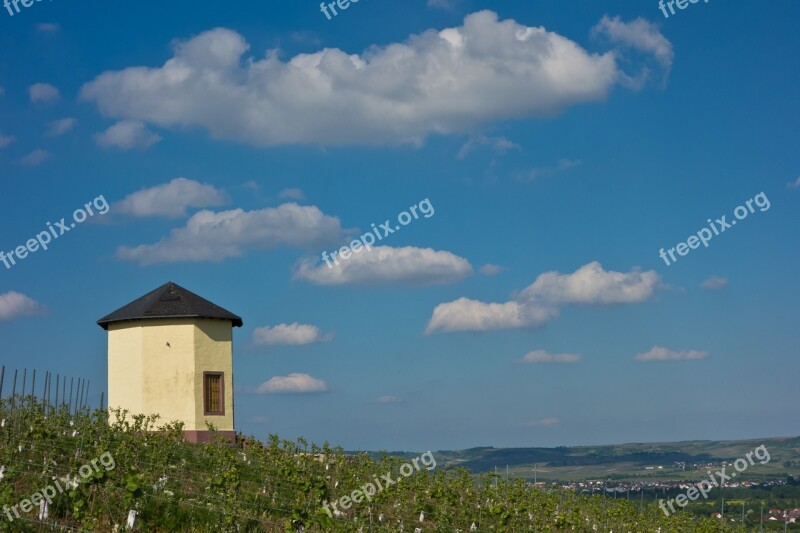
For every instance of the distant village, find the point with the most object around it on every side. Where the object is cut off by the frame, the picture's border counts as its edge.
(621, 487)
(638, 489)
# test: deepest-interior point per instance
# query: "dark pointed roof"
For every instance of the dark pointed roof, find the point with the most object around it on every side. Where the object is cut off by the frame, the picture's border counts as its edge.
(169, 301)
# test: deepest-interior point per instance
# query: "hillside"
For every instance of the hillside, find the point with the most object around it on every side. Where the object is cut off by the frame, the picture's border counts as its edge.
(66, 470)
(629, 461)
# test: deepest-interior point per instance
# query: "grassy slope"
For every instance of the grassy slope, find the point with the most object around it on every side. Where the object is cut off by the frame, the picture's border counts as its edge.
(273, 486)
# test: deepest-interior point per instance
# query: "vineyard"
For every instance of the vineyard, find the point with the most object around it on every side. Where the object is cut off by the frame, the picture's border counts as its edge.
(161, 483)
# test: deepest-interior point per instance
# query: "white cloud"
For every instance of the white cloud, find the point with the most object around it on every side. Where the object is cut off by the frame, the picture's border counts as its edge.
(43, 92)
(541, 356)
(714, 282)
(498, 144)
(292, 384)
(591, 284)
(60, 127)
(292, 194)
(388, 399)
(545, 422)
(35, 158)
(659, 353)
(442, 82)
(5, 140)
(793, 184)
(14, 304)
(641, 36)
(473, 315)
(386, 264)
(47, 27)
(539, 302)
(491, 270)
(291, 334)
(126, 135)
(215, 236)
(170, 199)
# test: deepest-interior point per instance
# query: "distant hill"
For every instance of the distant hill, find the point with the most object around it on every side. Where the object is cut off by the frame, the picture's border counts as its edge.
(626, 461)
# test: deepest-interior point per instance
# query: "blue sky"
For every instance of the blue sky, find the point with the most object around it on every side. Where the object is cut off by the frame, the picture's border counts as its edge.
(560, 149)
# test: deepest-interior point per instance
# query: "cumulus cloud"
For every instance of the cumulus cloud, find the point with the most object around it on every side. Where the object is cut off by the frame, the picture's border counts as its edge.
(385, 264)
(292, 194)
(659, 353)
(215, 236)
(641, 36)
(542, 356)
(491, 270)
(292, 384)
(540, 301)
(43, 93)
(291, 334)
(14, 304)
(35, 158)
(126, 135)
(448, 81)
(473, 315)
(714, 282)
(170, 199)
(60, 127)
(5, 140)
(546, 422)
(591, 284)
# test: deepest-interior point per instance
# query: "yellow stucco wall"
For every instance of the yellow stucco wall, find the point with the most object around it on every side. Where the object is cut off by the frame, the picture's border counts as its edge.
(125, 367)
(168, 371)
(156, 367)
(213, 349)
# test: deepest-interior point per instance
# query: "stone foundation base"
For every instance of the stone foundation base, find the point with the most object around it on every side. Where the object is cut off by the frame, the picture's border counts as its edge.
(205, 435)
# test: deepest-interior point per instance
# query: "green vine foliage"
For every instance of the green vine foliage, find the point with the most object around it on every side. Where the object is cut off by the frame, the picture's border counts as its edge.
(277, 485)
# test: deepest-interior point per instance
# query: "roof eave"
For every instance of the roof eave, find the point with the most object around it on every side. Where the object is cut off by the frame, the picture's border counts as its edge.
(235, 322)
